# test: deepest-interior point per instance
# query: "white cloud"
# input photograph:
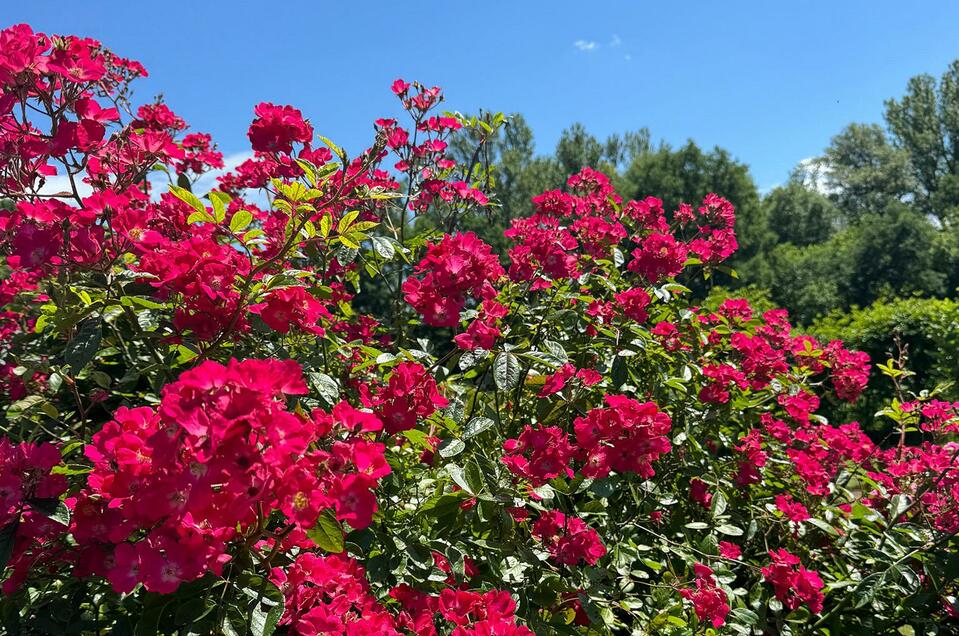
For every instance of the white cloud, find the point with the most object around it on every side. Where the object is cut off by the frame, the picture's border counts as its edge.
(615, 41)
(813, 172)
(585, 45)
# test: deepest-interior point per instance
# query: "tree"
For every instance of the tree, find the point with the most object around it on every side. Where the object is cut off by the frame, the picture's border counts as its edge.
(800, 215)
(892, 252)
(925, 124)
(865, 171)
(805, 280)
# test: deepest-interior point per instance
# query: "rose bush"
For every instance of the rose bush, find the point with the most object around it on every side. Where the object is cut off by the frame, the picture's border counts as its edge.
(203, 434)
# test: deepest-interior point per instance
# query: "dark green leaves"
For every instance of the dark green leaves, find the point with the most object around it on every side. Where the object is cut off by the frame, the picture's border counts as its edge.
(476, 426)
(7, 536)
(84, 345)
(451, 447)
(506, 370)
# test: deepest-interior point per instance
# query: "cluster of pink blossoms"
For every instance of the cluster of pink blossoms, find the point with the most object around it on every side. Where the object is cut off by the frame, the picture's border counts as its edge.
(627, 437)
(292, 306)
(171, 487)
(330, 595)
(457, 268)
(794, 584)
(467, 612)
(483, 331)
(26, 482)
(568, 538)
(410, 395)
(709, 601)
(201, 272)
(276, 128)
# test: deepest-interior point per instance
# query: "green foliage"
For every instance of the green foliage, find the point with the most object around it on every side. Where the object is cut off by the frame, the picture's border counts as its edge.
(926, 330)
(800, 216)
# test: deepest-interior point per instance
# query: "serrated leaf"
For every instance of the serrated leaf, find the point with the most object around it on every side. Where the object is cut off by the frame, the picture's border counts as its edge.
(332, 146)
(556, 350)
(729, 529)
(719, 504)
(346, 221)
(451, 447)
(326, 223)
(189, 198)
(348, 240)
(326, 386)
(219, 200)
(264, 623)
(476, 426)
(327, 533)
(241, 220)
(196, 217)
(458, 475)
(84, 345)
(383, 248)
(506, 370)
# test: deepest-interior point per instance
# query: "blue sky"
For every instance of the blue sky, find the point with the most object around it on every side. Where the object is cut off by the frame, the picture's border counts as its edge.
(770, 81)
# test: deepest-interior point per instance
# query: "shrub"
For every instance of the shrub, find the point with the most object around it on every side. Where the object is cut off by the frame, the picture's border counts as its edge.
(203, 435)
(925, 330)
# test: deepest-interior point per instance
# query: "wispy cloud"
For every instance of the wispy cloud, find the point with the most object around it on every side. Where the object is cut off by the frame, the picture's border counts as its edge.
(586, 45)
(615, 41)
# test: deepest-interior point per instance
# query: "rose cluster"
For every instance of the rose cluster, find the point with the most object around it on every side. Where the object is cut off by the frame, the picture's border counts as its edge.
(172, 487)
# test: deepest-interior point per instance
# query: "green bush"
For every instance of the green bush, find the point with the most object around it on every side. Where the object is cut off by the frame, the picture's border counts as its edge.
(926, 330)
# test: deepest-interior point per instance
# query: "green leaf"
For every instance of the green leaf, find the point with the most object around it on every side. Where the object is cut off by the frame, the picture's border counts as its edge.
(731, 530)
(451, 447)
(264, 623)
(189, 198)
(347, 221)
(458, 475)
(745, 616)
(327, 533)
(84, 345)
(332, 146)
(220, 200)
(383, 248)
(476, 426)
(506, 370)
(196, 217)
(326, 222)
(719, 504)
(20, 407)
(326, 386)
(241, 220)
(556, 350)
(899, 504)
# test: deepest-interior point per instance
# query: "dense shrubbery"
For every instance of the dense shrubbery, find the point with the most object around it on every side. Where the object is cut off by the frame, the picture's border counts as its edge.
(204, 435)
(920, 334)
